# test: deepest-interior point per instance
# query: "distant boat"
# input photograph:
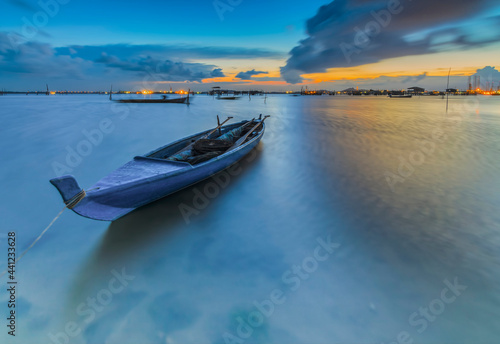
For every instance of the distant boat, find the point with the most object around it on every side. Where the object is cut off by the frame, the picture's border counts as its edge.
(163, 171)
(228, 98)
(162, 100)
(400, 95)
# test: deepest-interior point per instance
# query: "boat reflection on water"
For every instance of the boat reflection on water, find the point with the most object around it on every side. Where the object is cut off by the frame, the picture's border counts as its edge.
(152, 224)
(164, 100)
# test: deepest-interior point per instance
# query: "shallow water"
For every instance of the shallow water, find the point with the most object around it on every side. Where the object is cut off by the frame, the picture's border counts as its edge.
(408, 194)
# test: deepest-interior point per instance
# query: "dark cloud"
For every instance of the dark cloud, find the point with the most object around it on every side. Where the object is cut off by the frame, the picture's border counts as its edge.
(490, 77)
(217, 73)
(36, 58)
(248, 74)
(161, 70)
(415, 78)
(92, 52)
(355, 32)
(31, 58)
(269, 78)
(489, 72)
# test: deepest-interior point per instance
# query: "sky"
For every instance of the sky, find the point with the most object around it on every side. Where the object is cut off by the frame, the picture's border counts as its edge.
(241, 44)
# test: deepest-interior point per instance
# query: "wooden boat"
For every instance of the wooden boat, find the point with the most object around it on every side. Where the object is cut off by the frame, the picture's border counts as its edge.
(161, 172)
(228, 98)
(163, 100)
(400, 96)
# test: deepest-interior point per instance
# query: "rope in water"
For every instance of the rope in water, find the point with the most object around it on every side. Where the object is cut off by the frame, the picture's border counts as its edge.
(70, 204)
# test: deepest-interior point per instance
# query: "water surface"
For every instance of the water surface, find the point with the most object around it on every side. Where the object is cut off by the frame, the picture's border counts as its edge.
(408, 194)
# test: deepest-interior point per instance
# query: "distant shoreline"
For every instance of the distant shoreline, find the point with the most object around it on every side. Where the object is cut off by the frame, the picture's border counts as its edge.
(374, 93)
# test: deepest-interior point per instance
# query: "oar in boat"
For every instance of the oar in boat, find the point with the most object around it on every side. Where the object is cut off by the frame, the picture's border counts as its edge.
(203, 137)
(244, 137)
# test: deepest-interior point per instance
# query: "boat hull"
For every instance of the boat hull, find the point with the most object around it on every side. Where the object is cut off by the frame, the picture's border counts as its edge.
(144, 180)
(400, 96)
(228, 98)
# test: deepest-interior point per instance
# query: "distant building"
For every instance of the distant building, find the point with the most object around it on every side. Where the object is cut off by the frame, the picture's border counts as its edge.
(416, 90)
(356, 91)
(349, 90)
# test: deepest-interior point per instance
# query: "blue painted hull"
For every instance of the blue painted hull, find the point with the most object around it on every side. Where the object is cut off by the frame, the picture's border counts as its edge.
(148, 178)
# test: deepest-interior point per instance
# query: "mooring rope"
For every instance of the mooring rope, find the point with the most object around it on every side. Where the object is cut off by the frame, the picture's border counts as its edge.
(76, 199)
(70, 204)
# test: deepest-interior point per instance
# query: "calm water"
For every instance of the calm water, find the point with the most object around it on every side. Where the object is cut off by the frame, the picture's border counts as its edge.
(408, 195)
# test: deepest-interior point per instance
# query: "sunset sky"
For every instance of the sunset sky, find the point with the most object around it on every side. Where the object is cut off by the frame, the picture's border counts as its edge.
(241, 44)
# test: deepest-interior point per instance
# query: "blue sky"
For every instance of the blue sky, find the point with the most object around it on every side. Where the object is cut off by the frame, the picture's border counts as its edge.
(167, 21)
(243, 44)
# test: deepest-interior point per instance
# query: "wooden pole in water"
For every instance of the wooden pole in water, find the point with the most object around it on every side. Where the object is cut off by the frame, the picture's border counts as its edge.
(47, 89)
(110, 93)
(447, 88)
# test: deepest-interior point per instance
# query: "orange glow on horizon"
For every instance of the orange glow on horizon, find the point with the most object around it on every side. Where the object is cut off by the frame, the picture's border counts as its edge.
(364, 73)
(383, 71)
